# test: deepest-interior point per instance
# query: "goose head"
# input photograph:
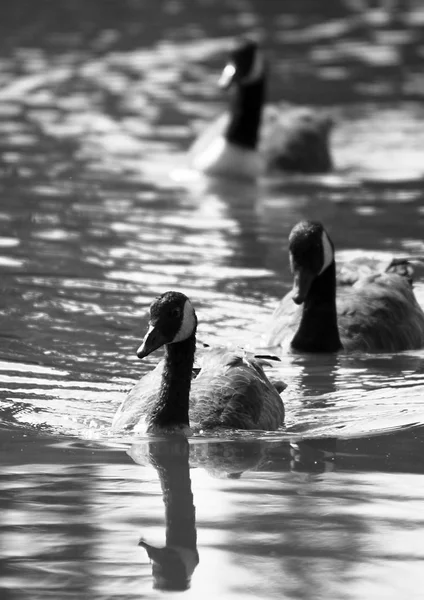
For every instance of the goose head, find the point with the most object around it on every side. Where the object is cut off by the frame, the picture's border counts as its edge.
(172, 567)
(172, 320)
(246, 65)
(311, 253)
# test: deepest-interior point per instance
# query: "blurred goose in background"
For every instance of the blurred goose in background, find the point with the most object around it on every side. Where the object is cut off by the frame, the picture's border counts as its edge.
(375, 311)
(230, 390)
(252, 139)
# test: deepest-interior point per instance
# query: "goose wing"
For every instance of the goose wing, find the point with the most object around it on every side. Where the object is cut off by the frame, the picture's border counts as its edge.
(233, 391)
(295, 139)
(366, 268)
(265, 359)
(380, 313)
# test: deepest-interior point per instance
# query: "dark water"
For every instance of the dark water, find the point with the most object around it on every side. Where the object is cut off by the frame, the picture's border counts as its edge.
(98, 214)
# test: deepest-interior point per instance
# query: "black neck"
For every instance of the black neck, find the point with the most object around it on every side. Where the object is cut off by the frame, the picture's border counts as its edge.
(245, 114)
(318, 330)
(171, 408)
(171, 567)
(180, 515)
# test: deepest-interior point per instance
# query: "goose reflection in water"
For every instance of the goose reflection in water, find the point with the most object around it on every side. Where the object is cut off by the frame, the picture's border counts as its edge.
(174, 564)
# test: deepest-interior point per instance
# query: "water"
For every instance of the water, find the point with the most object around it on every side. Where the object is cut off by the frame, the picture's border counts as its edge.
(98, 215)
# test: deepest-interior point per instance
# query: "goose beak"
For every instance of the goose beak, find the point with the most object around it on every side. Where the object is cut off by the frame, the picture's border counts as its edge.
(302, 281)
(227, 76)
(172, 566)
(153, 340)
(152, 552)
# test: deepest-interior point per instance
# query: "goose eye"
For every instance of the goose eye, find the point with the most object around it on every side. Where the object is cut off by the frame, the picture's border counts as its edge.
(175, 312)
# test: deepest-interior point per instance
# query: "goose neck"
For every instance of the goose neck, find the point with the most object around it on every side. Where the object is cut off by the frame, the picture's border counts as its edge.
(245, 114)
(180, 515)
(172, 406)
(318, 330)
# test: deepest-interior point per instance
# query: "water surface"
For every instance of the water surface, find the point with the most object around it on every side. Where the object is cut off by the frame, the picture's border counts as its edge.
(98, 215)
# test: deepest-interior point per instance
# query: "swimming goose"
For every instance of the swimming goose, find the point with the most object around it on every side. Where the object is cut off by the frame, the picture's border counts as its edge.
(250, 140)
(374, 311)
(230, 391)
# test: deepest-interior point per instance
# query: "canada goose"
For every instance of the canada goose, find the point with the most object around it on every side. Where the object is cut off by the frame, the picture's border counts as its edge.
(248, 140)
(374, 312)
(230, 391)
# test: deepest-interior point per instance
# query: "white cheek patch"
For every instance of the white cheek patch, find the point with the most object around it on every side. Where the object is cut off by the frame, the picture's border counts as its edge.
(257, 69)
(227, 74)
(327, 251)
(188, 323)
(291, 259)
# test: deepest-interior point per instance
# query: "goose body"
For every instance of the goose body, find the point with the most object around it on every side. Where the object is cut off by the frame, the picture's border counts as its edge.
(230, 390)
(252, 139)
(215, 155)
(368, 311)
